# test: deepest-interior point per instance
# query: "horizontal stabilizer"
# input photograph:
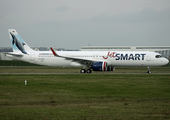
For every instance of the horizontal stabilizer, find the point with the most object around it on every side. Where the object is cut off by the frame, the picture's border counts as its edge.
(14, 54)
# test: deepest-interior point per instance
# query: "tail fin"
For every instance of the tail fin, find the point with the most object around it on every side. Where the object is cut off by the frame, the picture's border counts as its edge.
(18, 44)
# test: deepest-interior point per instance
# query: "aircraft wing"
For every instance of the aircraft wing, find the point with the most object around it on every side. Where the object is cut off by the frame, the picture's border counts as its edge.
(13, 54)
(78, 60)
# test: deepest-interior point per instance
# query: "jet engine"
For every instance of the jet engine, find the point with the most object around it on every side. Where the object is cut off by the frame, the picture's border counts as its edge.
(99, 66)
(102, 66)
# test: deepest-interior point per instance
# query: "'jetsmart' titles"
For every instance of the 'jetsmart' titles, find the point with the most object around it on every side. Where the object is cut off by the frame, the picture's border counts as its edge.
(118, 56)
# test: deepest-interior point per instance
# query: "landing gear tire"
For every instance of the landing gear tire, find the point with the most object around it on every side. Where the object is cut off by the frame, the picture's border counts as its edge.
(149, 70)
(82, 71)
(88, 70)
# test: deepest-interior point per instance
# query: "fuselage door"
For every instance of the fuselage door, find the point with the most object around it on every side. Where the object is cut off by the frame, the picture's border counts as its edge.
(148, 56)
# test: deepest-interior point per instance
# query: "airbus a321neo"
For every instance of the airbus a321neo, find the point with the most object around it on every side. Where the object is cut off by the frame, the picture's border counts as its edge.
(88, 60)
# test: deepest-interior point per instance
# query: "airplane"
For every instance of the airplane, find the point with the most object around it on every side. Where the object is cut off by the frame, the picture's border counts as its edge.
(88, 60)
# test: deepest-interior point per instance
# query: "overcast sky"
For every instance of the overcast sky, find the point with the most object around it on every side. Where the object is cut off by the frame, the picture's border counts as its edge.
(71, 24)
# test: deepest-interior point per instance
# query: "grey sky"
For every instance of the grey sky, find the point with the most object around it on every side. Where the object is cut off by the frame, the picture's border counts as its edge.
(71, 24)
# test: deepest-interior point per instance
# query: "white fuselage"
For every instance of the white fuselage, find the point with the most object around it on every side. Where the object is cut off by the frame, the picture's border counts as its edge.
(113, 58)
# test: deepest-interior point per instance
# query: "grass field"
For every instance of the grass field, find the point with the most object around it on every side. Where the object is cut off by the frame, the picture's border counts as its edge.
(42, 69)
(85, 96)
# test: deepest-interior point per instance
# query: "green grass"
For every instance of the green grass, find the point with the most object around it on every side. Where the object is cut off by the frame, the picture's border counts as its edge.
(82, 96)
(42, 69)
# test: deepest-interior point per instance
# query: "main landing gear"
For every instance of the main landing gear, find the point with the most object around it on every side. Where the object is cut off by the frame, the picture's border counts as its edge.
(85, 71)
(149, 70)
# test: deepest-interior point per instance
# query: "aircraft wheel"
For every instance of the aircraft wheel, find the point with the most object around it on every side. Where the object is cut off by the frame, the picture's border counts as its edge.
(82, 71)
(149, 70)
(88, 70)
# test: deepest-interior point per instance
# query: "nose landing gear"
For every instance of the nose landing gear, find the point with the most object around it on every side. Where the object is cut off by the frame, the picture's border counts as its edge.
(149, 70)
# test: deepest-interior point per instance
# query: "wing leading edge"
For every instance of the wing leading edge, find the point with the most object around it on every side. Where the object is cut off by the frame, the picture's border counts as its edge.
(78, 60)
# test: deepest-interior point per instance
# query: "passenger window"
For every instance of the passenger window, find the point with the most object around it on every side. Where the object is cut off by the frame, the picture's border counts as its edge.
(158, 56)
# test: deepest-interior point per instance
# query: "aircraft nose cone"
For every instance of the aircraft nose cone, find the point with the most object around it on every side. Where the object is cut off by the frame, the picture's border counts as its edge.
(167, 61)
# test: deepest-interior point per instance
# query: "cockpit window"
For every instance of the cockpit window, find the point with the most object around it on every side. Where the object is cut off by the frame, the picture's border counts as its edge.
(158, 56)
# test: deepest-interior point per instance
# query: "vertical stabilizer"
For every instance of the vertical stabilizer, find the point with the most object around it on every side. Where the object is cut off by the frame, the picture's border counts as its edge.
(18, 44)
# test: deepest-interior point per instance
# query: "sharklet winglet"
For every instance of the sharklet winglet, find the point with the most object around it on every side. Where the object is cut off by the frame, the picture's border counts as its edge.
(54, 53)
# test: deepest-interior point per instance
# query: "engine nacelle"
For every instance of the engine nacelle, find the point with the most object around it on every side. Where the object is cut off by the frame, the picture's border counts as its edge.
(102, 66)
(99, 66)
